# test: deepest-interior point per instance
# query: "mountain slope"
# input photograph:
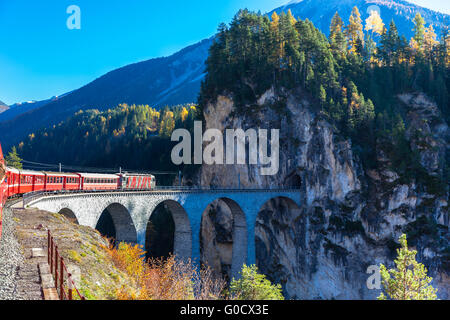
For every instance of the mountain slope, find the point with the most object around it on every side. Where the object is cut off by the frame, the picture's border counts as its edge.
(3, 107)
(157, 82)
(19, 108)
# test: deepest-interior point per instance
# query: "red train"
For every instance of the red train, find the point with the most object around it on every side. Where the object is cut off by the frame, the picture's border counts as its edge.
(24, 181)
(16, 182)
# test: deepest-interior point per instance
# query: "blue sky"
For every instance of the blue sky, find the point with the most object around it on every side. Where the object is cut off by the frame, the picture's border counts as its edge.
(41, 57)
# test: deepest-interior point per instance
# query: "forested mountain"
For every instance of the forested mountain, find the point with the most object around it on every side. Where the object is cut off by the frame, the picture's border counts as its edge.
(354, 78)
(320, 12)
(158, 82)
(176, 79)
(133, 137)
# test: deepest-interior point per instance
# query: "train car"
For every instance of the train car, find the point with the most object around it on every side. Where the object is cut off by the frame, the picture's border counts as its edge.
(3, 187)
(13, 181)
(54, 181)
(61, 181)
(97, 181)
(71, 181)
(136, 181)
(30, 181)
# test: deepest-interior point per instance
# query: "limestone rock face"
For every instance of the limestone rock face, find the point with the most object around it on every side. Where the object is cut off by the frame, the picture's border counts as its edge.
(350, 218)
(217, 239)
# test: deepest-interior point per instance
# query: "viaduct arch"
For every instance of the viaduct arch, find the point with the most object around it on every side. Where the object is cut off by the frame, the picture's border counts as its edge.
(131, 212)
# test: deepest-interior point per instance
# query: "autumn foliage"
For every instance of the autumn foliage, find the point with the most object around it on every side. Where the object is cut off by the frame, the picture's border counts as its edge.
(159, 279)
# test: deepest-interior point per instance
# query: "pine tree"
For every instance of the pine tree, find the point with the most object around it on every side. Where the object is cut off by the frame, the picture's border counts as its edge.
(409, 281)
(13, 159)
(337, 38)
(291, 18)
(419, 29)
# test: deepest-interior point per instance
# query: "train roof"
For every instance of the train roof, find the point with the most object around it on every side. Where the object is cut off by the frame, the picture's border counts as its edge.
(99, 175)
(59, 174)
(137, 174)
(36, 173)
(11, 169)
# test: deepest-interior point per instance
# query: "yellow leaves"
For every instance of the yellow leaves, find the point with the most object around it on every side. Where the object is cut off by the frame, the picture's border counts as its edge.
(117, 133)
(355, 29)
(374, 23)
(167, 124)
(354, 101)
(184, 114)
(275, 20)
(161, 279)
(291, 17)
(430, 38)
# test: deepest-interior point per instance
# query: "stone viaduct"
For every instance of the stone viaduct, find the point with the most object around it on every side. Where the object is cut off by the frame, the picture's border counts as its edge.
(131, 211)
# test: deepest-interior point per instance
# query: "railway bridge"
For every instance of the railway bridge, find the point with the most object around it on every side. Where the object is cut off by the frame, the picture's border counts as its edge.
(131, 211)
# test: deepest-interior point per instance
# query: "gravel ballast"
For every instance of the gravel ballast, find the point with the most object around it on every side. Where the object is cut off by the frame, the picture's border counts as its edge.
(11, 258)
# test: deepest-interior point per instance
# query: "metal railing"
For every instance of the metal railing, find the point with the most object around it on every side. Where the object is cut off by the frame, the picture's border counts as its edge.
(31, 196)
(60, 273)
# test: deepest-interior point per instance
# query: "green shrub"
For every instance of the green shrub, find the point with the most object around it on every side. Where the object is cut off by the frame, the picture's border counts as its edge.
(254, 286)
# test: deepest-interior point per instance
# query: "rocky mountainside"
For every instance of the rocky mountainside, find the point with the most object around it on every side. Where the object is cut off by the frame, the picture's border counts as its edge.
(351, 218)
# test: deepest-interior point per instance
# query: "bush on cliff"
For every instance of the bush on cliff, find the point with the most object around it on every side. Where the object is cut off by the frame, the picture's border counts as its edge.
(254, 286)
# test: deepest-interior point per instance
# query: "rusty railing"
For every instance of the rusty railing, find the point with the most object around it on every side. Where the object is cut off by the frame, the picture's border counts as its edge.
(59, 271)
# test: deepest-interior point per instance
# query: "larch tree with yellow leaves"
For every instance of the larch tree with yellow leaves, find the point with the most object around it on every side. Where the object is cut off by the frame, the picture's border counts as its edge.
(354, 31)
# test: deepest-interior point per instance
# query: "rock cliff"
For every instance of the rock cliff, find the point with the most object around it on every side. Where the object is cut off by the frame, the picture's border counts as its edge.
(351, 217)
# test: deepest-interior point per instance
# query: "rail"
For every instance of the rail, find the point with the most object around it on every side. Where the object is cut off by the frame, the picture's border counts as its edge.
(31, 196)
(58, 269)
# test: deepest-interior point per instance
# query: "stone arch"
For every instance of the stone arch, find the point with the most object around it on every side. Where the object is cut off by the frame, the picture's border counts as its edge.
(280, 229)
(122, 223)
(182, 242)
(69, 214)
(238, 233)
